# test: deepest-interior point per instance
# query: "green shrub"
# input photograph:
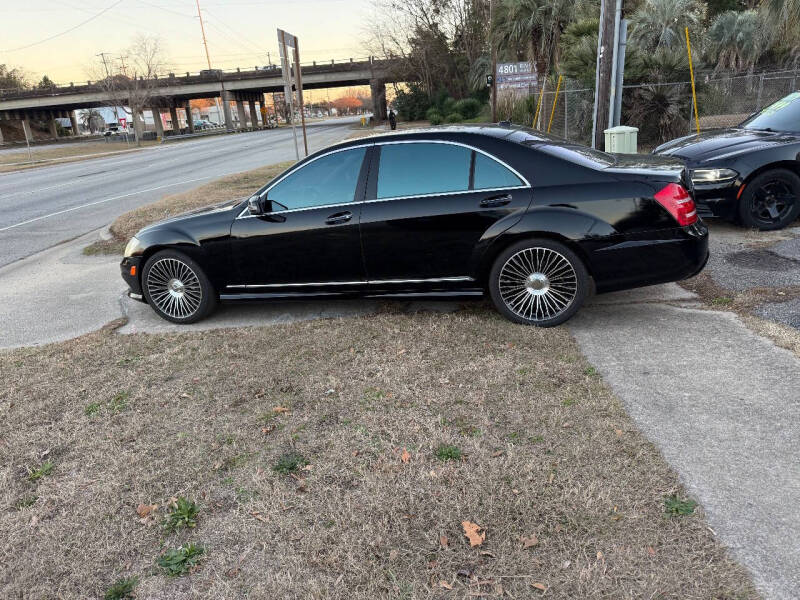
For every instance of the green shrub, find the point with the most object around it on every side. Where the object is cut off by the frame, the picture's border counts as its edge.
(178, 561)
(432, 112)
(448, 452)
(182, 515)
(468, 107)
(411, 104)
(435, 118)
(122, 589)
(454, 118)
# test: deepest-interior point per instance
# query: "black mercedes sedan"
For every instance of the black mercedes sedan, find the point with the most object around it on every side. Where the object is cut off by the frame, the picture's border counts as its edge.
(536, 223)
(749, 173)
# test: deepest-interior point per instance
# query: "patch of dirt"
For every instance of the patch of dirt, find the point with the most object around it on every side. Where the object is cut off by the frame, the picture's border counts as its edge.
(761, 259)
(392, 432)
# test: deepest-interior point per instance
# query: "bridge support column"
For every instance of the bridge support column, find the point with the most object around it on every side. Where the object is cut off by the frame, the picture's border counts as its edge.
(73, 120)
(158, 122)
(176, 123)
(52, 125)
(189, 116)
(242, 115)
(377, 88)
(26, 128)
(253, 114)
(1, 135)
(138, 125)
(226, 110)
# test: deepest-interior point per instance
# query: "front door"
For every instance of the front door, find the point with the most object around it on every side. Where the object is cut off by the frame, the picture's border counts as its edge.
(309, 237)
(428, 207)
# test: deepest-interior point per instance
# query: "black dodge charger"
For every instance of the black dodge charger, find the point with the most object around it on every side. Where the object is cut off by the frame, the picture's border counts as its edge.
(535, 222)
(749, 173)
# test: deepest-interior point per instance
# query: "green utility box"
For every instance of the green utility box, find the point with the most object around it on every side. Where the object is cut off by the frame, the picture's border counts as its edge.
(621, 139)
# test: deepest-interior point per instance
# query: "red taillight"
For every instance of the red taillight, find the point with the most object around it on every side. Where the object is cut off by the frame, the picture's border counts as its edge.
(679, 203)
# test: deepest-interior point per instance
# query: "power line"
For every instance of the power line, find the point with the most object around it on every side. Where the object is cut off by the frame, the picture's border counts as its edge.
(52, 37)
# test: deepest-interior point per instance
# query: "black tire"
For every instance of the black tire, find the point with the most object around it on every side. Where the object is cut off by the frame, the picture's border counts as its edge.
(176, 288)
(771, 200)
(538, 282)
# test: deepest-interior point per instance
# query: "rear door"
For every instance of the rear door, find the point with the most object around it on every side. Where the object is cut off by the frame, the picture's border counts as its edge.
(309, 237)
(427, 206)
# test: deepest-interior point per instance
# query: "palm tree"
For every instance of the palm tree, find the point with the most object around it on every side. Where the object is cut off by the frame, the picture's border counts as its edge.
(783, 19)
(532, 29)
(661, 23)
(737, 39)
(92, 119)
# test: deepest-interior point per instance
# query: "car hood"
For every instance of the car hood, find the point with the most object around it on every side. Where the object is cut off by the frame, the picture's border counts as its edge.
(720, 143)
(194, 213)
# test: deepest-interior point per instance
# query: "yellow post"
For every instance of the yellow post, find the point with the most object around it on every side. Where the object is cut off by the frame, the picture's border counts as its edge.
(539, 104)
(555, 101)
(691, 72)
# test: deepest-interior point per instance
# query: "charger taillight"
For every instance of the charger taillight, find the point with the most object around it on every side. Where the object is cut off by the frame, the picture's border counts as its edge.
(678, 202)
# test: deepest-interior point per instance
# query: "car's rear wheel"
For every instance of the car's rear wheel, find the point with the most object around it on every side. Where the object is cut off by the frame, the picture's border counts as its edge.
(538, 282)
(177, 288)
(771, 200)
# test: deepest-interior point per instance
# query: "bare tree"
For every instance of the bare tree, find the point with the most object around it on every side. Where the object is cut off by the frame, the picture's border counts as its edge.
(131, 80)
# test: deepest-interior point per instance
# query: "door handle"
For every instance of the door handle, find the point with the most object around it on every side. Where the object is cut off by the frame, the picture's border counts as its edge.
(496, 201)
(336, 219)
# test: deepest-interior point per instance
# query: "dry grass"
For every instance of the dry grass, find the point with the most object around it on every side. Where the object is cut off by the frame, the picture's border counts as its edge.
(546, 451)
(15, 161)
(219, 190)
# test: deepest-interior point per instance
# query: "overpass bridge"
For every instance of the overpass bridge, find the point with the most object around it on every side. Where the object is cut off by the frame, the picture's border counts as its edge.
(173, 93)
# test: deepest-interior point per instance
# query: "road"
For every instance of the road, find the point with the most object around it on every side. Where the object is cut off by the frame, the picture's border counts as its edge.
(42, 207)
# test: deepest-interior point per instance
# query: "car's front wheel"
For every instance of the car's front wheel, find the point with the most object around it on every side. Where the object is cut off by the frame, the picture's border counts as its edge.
(771, 200)
(538, 282)
(177, 288)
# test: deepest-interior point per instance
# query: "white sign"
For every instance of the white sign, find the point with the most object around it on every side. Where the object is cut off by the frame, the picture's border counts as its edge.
(516, 75)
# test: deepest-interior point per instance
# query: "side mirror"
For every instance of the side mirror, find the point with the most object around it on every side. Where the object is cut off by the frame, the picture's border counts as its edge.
(254, 205)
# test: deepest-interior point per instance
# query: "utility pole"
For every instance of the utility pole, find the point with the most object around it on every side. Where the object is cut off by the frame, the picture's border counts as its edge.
(494, 62)
(602, 96)
(208, 57)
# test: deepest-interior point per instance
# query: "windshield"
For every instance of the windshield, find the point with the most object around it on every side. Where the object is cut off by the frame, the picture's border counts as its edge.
(783, 115)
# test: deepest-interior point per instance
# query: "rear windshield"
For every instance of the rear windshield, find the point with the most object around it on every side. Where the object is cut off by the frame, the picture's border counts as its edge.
(783, 115)
(581, 155)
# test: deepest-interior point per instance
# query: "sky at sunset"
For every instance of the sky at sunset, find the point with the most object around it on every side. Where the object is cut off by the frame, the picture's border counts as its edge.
(239, 32)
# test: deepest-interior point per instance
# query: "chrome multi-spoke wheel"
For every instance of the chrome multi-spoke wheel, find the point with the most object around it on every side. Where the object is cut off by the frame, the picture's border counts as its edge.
(174, 288)
(177, 288)
(540, 283)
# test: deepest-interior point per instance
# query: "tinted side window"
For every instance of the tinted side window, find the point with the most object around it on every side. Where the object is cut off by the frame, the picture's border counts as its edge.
(416, 169)
(331, 179)
(490, 174)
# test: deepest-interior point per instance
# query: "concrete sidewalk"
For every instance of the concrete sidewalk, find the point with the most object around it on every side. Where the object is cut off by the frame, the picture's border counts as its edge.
(723, 406)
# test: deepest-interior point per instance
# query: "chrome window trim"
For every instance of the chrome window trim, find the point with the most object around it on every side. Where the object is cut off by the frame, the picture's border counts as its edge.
(292, 210)
(365, 282)
(526, 184)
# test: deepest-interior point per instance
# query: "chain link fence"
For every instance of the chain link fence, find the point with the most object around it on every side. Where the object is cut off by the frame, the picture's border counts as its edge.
(661, 110)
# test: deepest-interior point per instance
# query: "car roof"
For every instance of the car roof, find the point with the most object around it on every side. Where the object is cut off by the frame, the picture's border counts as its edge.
(515, 133)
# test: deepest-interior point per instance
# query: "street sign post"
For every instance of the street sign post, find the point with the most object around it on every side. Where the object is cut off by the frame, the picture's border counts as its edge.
(285, 42)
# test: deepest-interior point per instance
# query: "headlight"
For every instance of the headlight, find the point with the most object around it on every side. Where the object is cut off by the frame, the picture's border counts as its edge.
(133, 248)
(700, 176)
